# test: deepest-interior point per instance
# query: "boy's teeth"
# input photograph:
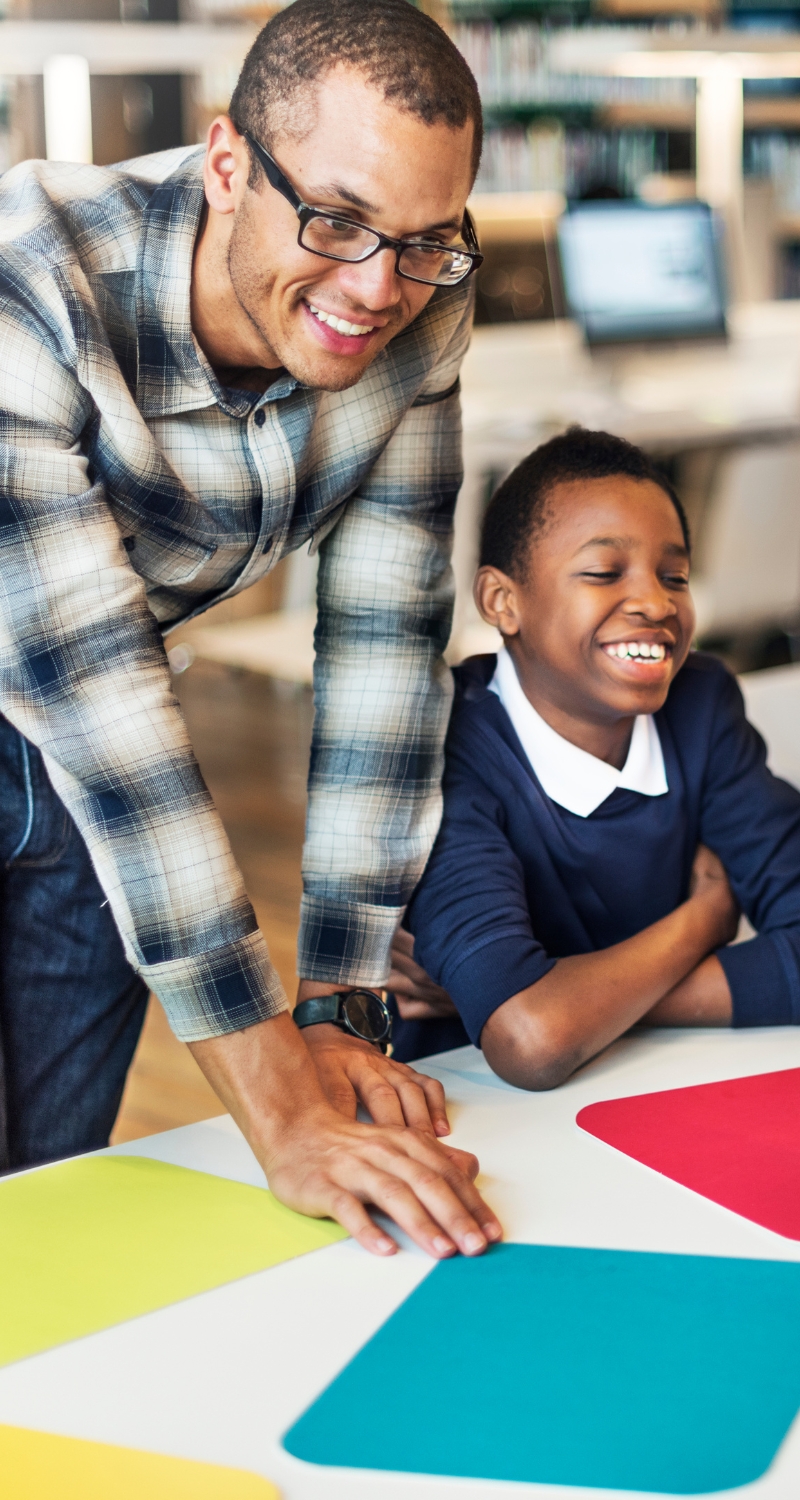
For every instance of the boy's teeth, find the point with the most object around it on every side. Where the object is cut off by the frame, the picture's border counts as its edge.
(340, 324)
(626, 650)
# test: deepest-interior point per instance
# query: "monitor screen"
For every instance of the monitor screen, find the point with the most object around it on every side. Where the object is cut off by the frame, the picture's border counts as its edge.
(642, 271)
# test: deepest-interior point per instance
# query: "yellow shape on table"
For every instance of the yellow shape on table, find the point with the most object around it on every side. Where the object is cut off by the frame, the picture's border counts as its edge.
(41, 1466)
(100, 1239)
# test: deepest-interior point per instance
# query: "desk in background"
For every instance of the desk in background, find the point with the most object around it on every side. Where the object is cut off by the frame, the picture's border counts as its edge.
(523, 383)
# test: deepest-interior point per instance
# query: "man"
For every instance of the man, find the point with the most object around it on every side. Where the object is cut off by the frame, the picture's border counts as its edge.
(200, 373)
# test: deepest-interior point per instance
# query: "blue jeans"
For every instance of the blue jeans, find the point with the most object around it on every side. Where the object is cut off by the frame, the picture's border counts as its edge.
(71, 1007)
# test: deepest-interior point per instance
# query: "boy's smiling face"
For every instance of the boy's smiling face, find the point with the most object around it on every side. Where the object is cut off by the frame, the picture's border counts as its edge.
(600, 619)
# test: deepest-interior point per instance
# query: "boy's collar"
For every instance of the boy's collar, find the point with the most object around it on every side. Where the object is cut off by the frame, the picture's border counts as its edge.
(570, 776)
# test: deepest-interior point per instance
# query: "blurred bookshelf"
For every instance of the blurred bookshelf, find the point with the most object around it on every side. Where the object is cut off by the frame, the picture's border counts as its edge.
(578, 135)
(564, 134)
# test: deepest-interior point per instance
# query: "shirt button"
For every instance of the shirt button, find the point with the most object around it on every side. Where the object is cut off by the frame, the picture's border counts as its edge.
(260, 417)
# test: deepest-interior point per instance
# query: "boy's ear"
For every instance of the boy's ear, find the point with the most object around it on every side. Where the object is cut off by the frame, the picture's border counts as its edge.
(496, 597)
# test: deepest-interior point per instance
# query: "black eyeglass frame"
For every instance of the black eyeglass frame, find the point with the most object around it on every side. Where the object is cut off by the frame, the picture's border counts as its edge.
(306, 211)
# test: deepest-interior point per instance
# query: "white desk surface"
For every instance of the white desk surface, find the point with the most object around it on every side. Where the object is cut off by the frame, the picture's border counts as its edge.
(220, 1377)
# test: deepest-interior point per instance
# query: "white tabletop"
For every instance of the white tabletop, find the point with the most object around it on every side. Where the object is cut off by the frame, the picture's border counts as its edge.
(219, 1378)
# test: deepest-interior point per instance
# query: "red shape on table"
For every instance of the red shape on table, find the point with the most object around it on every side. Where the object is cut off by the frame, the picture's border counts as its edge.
(735, 1142)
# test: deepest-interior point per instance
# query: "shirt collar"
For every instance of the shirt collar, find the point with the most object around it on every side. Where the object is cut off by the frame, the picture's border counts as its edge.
(173, 372)
(570, 776)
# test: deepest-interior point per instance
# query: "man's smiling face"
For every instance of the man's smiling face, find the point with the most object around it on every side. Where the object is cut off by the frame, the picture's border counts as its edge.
(325, 321)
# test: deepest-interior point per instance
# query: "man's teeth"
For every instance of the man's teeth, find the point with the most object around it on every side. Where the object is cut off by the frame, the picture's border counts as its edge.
(624, 650)
(340, 324)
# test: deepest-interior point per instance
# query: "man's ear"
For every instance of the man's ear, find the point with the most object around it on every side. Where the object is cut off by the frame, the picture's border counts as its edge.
(227, 165)
(496, 597)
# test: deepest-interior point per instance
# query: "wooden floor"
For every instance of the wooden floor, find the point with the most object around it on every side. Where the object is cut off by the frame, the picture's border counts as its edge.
(251, 735)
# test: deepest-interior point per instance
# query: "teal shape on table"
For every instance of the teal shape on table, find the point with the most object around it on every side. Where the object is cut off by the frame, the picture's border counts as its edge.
(546, 1364)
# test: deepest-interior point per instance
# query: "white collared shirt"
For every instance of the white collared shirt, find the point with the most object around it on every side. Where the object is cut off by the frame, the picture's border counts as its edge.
(570, 776)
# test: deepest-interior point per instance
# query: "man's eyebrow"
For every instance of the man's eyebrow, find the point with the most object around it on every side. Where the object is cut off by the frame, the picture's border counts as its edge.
(331, 190)
(337, 190)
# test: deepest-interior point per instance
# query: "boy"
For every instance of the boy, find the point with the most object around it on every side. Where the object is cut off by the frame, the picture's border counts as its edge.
(592, 768)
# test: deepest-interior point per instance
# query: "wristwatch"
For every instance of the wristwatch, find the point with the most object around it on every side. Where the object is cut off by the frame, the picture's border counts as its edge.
(361, 1012)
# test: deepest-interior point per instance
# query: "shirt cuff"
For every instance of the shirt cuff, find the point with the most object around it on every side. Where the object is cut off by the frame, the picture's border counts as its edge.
(223, 990)
(759, 984)
(484, 980)
(346, 942)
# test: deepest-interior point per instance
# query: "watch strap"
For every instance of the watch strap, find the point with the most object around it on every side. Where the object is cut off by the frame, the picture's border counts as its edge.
(321, 1008)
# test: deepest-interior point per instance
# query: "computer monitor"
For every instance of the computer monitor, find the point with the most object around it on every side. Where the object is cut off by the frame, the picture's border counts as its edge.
(635, 271)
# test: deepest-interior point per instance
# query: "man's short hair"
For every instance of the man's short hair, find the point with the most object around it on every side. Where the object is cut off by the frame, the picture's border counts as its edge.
(399, 50)
(520, 510)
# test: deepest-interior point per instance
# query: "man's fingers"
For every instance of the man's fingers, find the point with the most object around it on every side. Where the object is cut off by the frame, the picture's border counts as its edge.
(464, 1160)
(398, 1097)
(461, 1182)
(416, 1105)
(395, 1094)
(407, 1174)
(445, 1192)
(380, 1097)
(420, 1196)
(435, 1104)
(384, 1184)
(352, 1215)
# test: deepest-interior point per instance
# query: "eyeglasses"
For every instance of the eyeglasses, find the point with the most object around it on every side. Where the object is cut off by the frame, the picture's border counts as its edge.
(337, 238)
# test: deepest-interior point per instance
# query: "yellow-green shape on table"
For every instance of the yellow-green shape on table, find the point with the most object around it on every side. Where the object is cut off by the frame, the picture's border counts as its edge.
(41, 1466)
(100, 1239)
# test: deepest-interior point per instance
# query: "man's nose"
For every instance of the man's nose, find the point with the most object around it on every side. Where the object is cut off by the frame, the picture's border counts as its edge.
(374, 283)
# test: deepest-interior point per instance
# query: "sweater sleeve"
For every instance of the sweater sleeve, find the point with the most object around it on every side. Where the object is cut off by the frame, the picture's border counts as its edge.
(469, 916)
(751, 819)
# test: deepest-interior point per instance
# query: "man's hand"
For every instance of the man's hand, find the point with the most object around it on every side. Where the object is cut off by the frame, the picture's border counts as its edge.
(353, 1072)
(320, 1163)
(418, 998)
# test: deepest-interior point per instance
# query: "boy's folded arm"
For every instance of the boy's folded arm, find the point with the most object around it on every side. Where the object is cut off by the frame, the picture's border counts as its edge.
(541, 1035)
(752, 821)
(703, 998)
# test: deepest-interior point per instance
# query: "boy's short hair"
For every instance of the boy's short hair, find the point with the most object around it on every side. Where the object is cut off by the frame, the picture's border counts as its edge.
(519, 510)
(399, 50)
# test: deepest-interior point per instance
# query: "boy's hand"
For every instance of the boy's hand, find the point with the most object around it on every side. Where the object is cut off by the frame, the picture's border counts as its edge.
(709, 884)
(418, 998)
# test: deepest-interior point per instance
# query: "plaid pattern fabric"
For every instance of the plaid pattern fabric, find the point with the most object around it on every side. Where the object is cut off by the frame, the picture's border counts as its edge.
(135, 491)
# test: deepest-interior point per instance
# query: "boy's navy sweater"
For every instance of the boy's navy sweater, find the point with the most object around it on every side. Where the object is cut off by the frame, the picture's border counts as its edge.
(515, 881)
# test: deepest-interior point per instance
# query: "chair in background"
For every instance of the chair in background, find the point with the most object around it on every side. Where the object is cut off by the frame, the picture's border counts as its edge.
(772, 700)
(748, 573)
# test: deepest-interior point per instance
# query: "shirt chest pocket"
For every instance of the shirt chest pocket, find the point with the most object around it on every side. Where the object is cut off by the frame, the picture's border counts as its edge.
(173, 560)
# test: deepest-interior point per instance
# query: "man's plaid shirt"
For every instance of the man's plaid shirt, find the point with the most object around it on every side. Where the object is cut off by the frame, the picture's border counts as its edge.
(135, 492)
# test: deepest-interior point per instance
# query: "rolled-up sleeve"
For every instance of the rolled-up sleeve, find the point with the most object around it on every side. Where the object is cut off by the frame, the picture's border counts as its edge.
(84, 676)
(751, 819)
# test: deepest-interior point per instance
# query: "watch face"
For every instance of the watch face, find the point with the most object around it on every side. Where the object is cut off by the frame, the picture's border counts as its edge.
(366, 1015)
